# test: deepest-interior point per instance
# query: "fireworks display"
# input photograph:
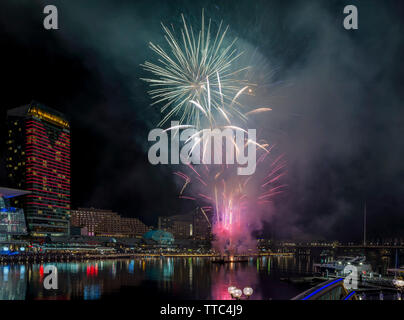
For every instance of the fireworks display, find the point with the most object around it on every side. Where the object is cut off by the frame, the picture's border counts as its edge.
(233, 204)
(199, 83)
(194, 78)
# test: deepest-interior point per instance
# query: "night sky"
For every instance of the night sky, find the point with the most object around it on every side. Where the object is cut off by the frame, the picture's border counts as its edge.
(337, 99)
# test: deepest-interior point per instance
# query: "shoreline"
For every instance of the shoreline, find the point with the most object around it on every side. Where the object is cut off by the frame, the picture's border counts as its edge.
(52, 257)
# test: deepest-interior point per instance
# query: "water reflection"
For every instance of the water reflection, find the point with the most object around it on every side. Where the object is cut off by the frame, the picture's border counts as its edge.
(237, 275)
(92, 292)
(13, 284)
(131, 266)
(182, 278)
(175, 278)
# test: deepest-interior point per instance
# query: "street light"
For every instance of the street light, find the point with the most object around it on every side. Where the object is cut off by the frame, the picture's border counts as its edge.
(231, 290)
(248, 291)
(237, 293)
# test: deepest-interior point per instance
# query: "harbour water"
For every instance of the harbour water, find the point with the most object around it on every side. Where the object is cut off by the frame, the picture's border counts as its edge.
(161, 278)
(172, 278)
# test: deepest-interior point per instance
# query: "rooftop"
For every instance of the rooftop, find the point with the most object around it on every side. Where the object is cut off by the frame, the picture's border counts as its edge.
(11, 193)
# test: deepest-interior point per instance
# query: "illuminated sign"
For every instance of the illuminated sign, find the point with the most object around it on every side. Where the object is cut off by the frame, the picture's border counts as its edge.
(48, 117)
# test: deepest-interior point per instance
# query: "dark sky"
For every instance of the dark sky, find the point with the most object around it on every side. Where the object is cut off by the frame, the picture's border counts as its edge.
(338, 105)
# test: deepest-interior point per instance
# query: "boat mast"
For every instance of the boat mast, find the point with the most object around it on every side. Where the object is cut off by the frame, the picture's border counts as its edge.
(364, 227)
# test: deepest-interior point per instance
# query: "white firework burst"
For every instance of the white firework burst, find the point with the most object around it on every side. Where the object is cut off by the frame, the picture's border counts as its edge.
(195, 79)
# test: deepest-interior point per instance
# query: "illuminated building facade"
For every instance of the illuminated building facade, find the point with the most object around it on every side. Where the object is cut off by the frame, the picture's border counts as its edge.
(180, 226)
(202, 226)
(100, 222)
(12, 220)
(187, 226)
(38, 160)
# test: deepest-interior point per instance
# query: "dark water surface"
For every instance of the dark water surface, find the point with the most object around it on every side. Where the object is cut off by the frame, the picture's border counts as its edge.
(157, 278)
(163, 278)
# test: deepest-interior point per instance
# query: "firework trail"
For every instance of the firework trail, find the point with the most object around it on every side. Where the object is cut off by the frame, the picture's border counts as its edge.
(235, 204)
(195, 77)
(219, 122)
(198, 80)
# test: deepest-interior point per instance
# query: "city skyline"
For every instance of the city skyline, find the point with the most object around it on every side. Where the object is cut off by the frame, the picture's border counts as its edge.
(342, 150)
(202, 158)
(25, 110)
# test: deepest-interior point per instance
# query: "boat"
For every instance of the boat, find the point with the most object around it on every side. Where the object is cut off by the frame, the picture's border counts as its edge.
(340, 263)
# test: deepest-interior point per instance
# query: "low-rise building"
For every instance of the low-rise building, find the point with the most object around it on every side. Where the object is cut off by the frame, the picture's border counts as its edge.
(12, 220)
(99, 222)
(194, 225)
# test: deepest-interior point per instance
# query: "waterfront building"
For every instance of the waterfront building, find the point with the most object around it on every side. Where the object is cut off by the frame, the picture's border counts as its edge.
(181, 226)
(78, 231)
(264, 244)
(99, 222)
(202, 226)
(160, 237)
(194, 225)
(38, 160)
(12, 220)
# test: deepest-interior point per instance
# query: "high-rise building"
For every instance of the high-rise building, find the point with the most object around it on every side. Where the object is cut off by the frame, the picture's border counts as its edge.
(202, 225)
(38, 160)
(100, 222)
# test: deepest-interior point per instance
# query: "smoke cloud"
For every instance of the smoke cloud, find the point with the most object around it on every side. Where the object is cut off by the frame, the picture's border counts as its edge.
(336, 99)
